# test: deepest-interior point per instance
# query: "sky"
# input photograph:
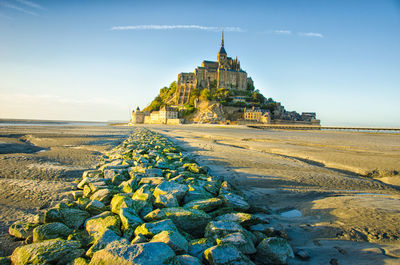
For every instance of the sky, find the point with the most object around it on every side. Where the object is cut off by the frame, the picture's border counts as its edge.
(97, 60)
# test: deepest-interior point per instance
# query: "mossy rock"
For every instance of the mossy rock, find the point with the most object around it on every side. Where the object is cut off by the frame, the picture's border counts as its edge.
(189, 220)
(51, 231)
(153, 228)
(123, 200)
(226, 255)
(139, 254)
(274, 250)
(53, 251)
(217, 229)
(173, 239)
(21, 229)
(240, 240)
(206, 205)
(72, 217)
(198, 246)
(98, 224)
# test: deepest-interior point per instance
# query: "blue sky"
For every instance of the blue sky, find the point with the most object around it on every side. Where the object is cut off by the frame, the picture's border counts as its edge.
(96, 60)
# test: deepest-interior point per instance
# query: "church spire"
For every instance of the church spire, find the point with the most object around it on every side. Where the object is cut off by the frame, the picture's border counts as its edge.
(222, 49)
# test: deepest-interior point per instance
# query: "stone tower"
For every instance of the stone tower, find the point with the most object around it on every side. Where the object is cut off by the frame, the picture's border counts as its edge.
(222, 55)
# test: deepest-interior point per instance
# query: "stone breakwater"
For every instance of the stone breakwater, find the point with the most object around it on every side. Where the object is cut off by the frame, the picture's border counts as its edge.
(148, 203)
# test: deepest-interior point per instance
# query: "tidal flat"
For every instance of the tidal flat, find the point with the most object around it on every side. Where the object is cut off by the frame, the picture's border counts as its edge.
(336, 213)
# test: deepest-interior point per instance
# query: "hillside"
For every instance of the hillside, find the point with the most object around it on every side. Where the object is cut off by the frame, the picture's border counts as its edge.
(216, 105)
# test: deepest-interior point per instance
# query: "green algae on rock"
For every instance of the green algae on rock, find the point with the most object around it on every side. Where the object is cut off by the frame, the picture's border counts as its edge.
(21, 229)
(53, 251)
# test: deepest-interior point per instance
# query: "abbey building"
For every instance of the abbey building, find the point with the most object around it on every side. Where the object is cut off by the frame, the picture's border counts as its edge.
(224, 73)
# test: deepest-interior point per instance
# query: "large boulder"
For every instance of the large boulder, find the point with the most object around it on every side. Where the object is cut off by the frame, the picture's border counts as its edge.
(206, 205)
(174, 240)
(50, 231)
(235, 201)
(189, 220)
(187, 260)
(95, 207)
(241, 218)
(153, 228)
(194, 168)
(143, 198)
(130, 220)
(198, 246)
(92, 174)
(196, 192)
(165, 201)
(129, 186)
(152, 253)
(53, 251)
(240, 241)
(123, 201)
(218, 229)
(21, 229)
(245, 219)
(98, 224)
(226, 255)
(274, 250)
(108, 237)
(72, 217)
(103, 195)
(154, 172)
(170, 187)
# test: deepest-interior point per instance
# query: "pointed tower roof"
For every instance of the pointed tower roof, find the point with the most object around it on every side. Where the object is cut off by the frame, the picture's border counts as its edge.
(222, 49)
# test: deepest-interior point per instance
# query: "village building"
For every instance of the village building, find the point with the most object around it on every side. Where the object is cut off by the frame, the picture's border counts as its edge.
(223, 73)
(163, 116)
(137, 117)
(256, 115)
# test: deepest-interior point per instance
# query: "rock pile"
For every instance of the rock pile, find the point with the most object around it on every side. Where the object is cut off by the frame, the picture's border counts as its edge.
(149, 203)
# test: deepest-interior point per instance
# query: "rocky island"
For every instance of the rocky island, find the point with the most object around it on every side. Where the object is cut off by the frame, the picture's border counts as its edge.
(218, 92)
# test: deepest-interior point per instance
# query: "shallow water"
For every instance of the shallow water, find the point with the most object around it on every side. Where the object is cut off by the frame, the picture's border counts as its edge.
(291, 214)
(373, 194)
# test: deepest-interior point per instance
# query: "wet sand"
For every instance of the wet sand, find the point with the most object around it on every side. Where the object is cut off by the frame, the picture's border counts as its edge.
(38, 165)
(344, 216)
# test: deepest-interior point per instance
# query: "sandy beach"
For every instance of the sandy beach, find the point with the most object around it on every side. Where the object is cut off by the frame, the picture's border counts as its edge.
(38, 165)
(345, 217)
(313, 181)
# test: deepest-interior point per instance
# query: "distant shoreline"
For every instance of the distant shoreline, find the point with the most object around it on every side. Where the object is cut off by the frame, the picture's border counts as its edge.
(35, 122)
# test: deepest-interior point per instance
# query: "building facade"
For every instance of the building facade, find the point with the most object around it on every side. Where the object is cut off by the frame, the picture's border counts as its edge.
(223, 73)
(137, 116)
(257, 115)
(163, 116)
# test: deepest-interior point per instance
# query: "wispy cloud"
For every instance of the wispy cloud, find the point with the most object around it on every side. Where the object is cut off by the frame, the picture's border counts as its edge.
(289, 32)
(310, 34)
(30, 4)
(282, 32)
(173, 27)
(20, 9)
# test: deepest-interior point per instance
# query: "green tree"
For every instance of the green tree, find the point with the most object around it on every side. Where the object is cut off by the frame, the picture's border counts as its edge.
(205, 94)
